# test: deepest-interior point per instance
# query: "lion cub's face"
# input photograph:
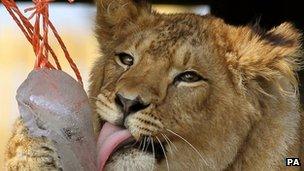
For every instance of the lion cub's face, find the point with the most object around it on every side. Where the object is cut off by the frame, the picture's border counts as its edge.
(174, 82)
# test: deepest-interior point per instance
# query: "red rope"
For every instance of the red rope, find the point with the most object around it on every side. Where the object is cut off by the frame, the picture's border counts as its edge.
(39, 41)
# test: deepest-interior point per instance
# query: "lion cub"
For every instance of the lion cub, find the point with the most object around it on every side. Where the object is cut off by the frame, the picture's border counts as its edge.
(194, 92)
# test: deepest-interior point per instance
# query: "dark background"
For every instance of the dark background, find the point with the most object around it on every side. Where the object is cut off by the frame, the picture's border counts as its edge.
(269, 13)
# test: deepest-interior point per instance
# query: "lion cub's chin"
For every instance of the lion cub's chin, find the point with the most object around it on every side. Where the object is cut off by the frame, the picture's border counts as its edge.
(130, 159)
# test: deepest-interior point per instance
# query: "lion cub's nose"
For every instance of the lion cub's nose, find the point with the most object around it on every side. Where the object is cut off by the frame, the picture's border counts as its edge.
(129, 106)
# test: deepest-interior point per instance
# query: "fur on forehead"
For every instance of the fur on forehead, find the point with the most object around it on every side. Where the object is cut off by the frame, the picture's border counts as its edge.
(248, 53)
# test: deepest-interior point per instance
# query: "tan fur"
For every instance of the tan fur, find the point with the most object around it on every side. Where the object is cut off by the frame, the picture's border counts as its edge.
(244, 117)
(27, 153)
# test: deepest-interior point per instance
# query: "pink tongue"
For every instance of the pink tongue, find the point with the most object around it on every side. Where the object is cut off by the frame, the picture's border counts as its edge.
(109, 138)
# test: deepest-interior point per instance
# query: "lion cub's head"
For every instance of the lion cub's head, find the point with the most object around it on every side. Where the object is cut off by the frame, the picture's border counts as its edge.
(187, 87)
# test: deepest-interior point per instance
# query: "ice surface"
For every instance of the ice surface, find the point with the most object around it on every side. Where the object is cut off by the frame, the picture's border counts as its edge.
(54, 105)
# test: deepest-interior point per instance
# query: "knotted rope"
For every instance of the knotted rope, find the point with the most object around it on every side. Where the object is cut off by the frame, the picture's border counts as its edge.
(37, 34)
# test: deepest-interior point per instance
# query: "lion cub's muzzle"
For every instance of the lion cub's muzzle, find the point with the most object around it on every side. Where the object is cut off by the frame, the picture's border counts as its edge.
(130, 125)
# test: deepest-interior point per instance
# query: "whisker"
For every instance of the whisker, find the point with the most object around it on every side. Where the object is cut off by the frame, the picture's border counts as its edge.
(153, 150)
(171, 142)
(134, 143)
(144, 144)
(161, 145)
(167, 143)
(174, 133)
(141, 140)
(149, 141)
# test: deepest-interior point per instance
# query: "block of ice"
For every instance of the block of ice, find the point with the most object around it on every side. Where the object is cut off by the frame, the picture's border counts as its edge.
(54, 105)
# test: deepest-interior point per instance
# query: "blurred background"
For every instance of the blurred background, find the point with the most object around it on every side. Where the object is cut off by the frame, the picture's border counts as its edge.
(75, 23)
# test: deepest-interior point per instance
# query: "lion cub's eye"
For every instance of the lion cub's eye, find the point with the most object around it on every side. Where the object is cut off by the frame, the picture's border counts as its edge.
(188, 77)
(125, 59)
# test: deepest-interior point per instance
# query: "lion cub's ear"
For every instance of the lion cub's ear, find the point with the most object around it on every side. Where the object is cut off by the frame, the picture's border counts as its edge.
(116, 14)
(269, 55)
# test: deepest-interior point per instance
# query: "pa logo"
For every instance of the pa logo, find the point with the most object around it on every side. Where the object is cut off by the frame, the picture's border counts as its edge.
(293, 162)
